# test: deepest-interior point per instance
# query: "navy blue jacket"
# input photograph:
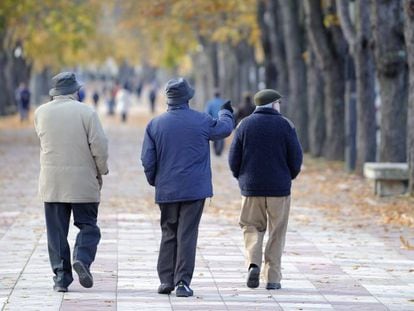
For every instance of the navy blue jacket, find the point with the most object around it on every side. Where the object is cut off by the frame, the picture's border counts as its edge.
(176, 152)
(265, 154)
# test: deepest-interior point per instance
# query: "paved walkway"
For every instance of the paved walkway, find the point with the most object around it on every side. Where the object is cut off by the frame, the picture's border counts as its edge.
(326, 266)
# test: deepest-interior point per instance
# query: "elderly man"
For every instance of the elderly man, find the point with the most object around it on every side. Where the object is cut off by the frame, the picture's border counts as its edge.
(176, 159)
(73, 158)
(265, 156)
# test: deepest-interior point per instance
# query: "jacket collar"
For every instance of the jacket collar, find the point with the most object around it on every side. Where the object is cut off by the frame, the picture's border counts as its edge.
(179, 106)
(266, 110)
(63, 97)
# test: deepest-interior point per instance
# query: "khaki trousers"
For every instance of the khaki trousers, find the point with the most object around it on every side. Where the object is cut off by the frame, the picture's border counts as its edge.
(258, 213)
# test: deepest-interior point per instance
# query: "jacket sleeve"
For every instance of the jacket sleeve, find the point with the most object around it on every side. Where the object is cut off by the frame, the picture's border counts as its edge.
(222, 127)
(98, 144)
(149, 157)
(294, 153)
(236, 154)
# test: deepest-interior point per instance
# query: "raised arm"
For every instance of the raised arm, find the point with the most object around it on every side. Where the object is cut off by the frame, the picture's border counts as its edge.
(223, 126)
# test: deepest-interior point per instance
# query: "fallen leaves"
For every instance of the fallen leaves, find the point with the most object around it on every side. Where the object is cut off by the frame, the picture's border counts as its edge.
(406, 244)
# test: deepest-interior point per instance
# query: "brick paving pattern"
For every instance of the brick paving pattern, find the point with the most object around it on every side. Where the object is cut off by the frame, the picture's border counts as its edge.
(326, 266)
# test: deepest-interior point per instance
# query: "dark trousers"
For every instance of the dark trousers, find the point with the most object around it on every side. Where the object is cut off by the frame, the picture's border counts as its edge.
(179, 226)
(57, 225)
(218, 146)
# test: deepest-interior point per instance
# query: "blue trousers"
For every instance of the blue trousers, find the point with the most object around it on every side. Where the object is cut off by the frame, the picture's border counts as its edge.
(57, 226)
(179, 226)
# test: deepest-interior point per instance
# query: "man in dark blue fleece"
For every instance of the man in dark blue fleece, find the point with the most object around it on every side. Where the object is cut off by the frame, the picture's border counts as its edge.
(265, 156)
(176, 159)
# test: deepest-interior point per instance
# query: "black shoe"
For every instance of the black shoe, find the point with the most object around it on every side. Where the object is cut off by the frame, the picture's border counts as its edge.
(183, 290)
(85, 276)
(165, 288)
(273, 286)
(60, 289)
(253, 277)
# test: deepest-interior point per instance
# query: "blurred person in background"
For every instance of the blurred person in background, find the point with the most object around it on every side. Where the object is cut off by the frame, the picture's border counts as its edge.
(23, 101)
(246, 108)
(123, 101)
(95, 98)
(213, 108)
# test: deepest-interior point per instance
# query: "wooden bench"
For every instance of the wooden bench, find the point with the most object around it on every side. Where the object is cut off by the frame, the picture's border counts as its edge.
(390, 178)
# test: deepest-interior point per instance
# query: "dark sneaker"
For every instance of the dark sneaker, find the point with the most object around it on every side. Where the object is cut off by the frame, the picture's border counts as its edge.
(273, 286)
(60, 289)
(183, 290)
(253, 277)
(85, 276)
(165, 288)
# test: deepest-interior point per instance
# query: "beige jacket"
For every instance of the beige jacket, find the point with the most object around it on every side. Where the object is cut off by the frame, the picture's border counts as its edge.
(73, 151)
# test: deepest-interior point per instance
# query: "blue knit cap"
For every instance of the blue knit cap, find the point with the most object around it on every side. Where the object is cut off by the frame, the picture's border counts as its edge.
(178, 91)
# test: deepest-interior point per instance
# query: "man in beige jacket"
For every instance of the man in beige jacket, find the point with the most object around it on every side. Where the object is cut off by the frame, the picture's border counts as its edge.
(73, 158)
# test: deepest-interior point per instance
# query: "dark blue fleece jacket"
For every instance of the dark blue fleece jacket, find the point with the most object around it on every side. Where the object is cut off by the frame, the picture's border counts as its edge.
(265, 154)
(176, 152)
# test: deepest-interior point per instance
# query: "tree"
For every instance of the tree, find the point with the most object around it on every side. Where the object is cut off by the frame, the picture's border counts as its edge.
(326, 39)
(294, 46)
(391, 69)
(316, 109)
(41, 34)
(358, 37)
(409, 39)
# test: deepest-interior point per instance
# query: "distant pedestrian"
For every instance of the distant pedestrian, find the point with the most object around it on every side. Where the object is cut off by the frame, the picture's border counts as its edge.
(111, 100)
(176, 159)
(73, 158)
(95, 98)
(23, 101)
(246, 108)
(81, 94)
(152, 96)
(138, 90)
(265, 156)
(212, 108)
(123, 101)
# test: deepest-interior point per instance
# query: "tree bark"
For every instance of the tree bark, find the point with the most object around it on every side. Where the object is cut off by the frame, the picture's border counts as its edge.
(409, 39)
(392, 74)
(296, 100)
(329, 47)
(269, 65)
(358, 40)
(316, 109)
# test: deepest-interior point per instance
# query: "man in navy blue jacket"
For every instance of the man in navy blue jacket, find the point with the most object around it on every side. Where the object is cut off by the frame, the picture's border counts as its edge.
(265, 156)
(176, 159)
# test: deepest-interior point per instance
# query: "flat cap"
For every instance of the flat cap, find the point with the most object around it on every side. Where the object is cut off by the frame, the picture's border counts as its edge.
(266, 96)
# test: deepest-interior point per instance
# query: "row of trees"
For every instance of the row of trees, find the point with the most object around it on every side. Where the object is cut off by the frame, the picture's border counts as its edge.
(340, 64)
(335, 61)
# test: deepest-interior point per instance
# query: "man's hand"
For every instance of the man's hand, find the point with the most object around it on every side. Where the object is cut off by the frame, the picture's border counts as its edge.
(227, 106)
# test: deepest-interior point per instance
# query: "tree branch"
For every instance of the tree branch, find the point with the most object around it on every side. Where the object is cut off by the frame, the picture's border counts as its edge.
(348, 28)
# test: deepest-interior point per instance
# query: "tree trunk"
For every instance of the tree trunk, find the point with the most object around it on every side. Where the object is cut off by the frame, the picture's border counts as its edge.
(365, 75)
(392, 76)
(229, 70)
(269, 66)
(316, 109)
(4, 98)
(296, 100)
(329, 47)
(277, 41)
(409, 39)
(358, 39)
